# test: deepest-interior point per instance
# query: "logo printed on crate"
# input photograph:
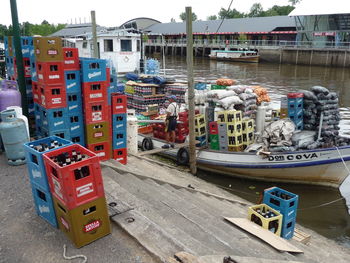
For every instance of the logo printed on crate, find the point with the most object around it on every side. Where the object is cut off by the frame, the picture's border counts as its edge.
(25, 50)
(52, 52)
(101, 154)
(98, 134)
(75, 127)
(54, 76)
(291, 212)
(73, 107)
(118, 143)
(119, 107)
(44, 209)
(84, 189)
(94, 74)
(58, 123)
(91, 226)
(65, 223)
(97, 116)
(56, 100)
(96, 95)
(119, 126)
(45, 122)
(71, 85)
(36, 173)
(40, 76)
(120, 159)
(57, 187)
(69, 62)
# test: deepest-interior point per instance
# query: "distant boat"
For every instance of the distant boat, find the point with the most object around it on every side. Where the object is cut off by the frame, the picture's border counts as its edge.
(248, 56)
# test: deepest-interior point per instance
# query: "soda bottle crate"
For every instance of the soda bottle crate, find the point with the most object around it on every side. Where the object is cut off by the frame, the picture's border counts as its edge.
(93, 69)
(43, 203)
(119, 122)
(202, 140)
(33, 73)
(233, 116)
(63, 133)
(119, 102)
(35, 162)
(199, 120)
(214, 141)
(288, 227)
(101, 149)
(248, 138)
(26, 65)
(75, 124)
(53, 96)
(27, 45)
(237, 148)
(283, 201)
(71, 59)
(74, 183)
(180, 138)
(54, 119)
(85, 223)
(48, 49)
(95, 112)
(223, 147)
(213, 128)
(221, 117)
(8, 44)
(235, 140)
(119, 139)
(94, 91)
(120, 155)
(222, 129)
(266, 217)
(50, 73)
(38, 114)
(72, 80)
(200, 131)
(36, 92)
(31, 107)
(248, 125)
(74, 102)
(234, 128)
(79, 139)
(97, 132)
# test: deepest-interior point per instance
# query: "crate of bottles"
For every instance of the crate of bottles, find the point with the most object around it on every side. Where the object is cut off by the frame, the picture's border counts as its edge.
(101, 149)
(214, 142)
(248, 138)
(266, 217)
(98, 132)
(120, 155)
(85, 223)
(233, 116)
(234, 128)
(248, 125)
(74, 175)
(34, 155)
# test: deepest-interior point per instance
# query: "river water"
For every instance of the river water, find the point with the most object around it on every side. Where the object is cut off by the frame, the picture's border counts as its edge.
(332, 220)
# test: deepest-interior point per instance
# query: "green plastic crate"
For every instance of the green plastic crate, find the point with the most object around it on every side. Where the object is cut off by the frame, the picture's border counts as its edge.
(214, 86)
(214, 142)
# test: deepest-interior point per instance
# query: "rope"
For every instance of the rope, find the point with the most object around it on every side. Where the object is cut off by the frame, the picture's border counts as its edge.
(222, 21)
(73, 257)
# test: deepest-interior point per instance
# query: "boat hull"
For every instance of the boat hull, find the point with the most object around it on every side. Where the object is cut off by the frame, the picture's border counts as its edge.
(318, 167)
(252, 59)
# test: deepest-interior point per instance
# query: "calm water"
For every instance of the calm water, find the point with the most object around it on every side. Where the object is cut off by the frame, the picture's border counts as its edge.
(333, 220)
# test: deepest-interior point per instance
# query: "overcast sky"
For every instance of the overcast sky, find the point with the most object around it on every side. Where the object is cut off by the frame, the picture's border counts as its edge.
(116, 12)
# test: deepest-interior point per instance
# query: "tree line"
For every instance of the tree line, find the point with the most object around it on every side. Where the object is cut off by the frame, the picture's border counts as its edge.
(28, 29)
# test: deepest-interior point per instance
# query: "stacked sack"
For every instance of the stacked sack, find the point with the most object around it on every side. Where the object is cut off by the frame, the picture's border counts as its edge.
(226, 99)
(262, 94)
(225, 82)
(249, 100)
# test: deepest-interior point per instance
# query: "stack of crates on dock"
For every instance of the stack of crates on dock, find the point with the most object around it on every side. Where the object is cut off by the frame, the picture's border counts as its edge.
(248, 132)
(200, 129)
(230, 130)
(119, 127)
(286, 203)
(295, 109)
(266, 217)
(94, 85)
(42, 196)
(75, 181)
(182, 129)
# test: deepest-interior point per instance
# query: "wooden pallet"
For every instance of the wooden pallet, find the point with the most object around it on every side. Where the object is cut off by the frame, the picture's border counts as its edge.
(301, 236)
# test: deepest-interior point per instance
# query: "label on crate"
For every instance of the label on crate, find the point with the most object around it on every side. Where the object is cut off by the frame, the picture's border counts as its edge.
(119, 126)
(97, 116)
(98, 134)
(36, 173)
(95, 95)
(119, 107)
(56, 100)
(72, 107)
(71, 85)
(91, 226)
(54, 76)
(57, 187)
(69, 62)
(119, 143)
(74, 127)
(52, 52)
(25, 51)
(40, 76)
(94, 74)
(64, 223)
(84, 189)
(120, 159)
(58, 123)
(43, 209)
(102, 154)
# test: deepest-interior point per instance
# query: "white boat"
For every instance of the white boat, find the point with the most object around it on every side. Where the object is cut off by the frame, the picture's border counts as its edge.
(248, 56)
(318, 167)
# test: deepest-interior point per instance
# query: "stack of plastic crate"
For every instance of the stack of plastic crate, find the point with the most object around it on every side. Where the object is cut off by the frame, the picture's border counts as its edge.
(248, 134)
(76, 184)
(295, 109)
(37, 174)
(214, 135)
(200, 129)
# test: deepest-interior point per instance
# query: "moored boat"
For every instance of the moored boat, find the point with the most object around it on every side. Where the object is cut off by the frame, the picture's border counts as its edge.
(248, 56)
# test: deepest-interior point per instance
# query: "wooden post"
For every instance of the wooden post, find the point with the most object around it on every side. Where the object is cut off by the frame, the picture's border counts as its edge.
(189, 59)
(96, 54)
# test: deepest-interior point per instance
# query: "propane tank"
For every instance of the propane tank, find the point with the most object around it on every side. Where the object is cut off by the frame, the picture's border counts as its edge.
(260, 120)
(9, 94)
(132, 130)
(14, 133)
(19, 114)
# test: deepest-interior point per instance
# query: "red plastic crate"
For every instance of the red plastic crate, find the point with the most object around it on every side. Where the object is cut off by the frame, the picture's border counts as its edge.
(96, 112)
(53, 96)
(101, 149)
(121, 155)
(118, 103)
(71, 58)
(108, 76)
(74, 184)
(213, 128)
(94, 91)
(36, 92)
(180, 138)
(50, 73)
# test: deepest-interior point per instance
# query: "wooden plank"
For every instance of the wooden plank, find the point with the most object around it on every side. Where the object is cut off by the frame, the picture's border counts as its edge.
(301, 236)
(185, 257)
(265, 235)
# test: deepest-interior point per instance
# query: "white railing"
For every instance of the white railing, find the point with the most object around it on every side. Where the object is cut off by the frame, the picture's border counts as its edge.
(251, 43)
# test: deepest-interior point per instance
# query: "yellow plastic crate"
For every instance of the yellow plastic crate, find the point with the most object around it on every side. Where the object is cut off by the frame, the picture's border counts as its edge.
(234, 116)
(235, 140)
(273, 223)
(238, 148)
(199, 120)
(221, 116)
(234, 129)
(200, 131)
(248, 138)
(129, 89)
(248, 125)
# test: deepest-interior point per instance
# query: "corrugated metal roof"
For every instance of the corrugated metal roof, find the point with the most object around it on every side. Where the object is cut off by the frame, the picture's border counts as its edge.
(75, 30)
(310, 8)
(251, 24)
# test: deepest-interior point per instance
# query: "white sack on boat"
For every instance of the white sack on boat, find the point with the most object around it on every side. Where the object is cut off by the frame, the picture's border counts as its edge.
(302, 139)
(247, 96)
(220, 94)
(319, 89)
(279, 133)
(229, 101)
(237, 88)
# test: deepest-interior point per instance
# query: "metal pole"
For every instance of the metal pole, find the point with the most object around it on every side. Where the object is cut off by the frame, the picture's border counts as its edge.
(19, 57)
(142, 65)
(191, 113)
(94, 35)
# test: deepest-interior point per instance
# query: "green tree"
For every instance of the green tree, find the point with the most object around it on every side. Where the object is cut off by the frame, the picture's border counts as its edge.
(212, 17)
(256, 10)
(294, 2)
(227, 14)
(183, 16)
(279, 10)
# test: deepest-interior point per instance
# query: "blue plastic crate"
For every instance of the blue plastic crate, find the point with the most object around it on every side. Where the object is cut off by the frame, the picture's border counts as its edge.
(288, 208)
(74, 102)
(44, 204)
(54, 119)
(37, 113)
(33, 72)
(93, 69)
(121, 88)
(64, 133)
(35, 162)
(26, 45)
(75, 124)
(6, 45)
(31, 108)
(119, 139)
(119, 122)
(202, 140)
(72, 78)
(288, 227)
(79, 139)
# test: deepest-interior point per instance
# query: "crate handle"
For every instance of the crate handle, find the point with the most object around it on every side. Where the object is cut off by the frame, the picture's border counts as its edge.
(89, 210)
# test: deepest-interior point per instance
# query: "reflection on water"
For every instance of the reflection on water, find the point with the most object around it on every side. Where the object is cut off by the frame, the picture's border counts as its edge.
(333, 220)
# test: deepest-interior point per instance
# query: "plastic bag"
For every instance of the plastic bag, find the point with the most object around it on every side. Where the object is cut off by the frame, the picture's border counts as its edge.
(309, 95)
(225, 82)
(320, 89)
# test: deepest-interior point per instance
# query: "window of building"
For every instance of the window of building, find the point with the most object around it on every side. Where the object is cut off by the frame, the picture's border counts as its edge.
(84, 44)
(138, 48)
(125, 45)
(108, 45)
